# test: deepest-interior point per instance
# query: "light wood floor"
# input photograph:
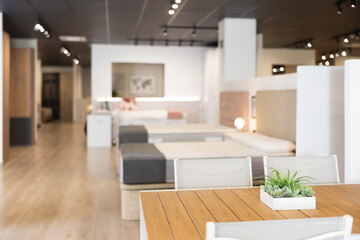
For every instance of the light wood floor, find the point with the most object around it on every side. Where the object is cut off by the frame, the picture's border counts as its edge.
(59, 189)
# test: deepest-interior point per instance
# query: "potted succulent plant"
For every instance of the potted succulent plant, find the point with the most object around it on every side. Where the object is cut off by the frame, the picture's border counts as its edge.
(287, 192)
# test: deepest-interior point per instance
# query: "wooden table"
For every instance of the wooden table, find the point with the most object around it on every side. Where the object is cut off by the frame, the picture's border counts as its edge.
(183, 214)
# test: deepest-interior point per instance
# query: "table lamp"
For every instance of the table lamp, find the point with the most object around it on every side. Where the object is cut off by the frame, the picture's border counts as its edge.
(239, 123)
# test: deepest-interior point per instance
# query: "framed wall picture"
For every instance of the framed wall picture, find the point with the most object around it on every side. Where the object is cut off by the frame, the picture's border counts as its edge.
(137, 80)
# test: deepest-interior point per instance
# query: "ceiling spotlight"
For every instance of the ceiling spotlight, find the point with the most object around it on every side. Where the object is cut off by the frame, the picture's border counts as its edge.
(175, 6)
(194, 32)
(171, 11)
(337, 54)
(346, 39)
(327, 63)
(165, 32)
(38, 28)
(177, 1)
(309, 45)
(343, 53)
(332, 55)
(323, 57)
(321, 64)
(274, 70)
(282, 69)
(76, 60)
(353, 4)
(65, 51)
(339, 9)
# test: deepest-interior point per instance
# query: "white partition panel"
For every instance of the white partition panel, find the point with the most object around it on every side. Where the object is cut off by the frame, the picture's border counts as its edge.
(320, 113)
(352, 121)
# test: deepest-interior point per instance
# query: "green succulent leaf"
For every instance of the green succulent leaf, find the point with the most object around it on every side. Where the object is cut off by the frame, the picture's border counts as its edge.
(281, 185)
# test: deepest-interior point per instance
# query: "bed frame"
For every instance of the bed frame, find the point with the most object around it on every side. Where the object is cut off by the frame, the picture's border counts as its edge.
(271, 107)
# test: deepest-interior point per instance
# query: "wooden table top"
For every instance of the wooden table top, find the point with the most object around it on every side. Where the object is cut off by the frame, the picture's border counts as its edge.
(183, 214)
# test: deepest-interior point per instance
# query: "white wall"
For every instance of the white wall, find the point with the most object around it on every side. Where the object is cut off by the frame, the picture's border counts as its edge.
(320, 113)
(352, 121)
(183, 67)
(1, 87)
(271, 56)
(211, 86)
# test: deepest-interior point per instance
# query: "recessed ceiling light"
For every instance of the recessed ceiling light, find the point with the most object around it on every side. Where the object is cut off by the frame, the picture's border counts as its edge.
(327, 63)
(323, 57)
(353, 4)
(343, 53)
(64, 38)
(332, 55)
(171, 11)
(175, 6)
(346, 39)
(339, 9)
(177, 1)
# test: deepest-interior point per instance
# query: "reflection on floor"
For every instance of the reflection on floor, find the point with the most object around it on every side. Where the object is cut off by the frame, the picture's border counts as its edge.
(58, 189)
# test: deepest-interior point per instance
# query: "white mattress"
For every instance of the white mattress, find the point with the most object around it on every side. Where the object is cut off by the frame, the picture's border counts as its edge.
(191, 150)
(263, 143)
(187, 133)
(183, 150)
(188, 128)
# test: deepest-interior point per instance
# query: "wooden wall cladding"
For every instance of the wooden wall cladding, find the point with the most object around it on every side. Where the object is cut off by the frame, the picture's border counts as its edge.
(232, 106)
(22, 87)
(6, 96)
(21, 82)
(66, 96)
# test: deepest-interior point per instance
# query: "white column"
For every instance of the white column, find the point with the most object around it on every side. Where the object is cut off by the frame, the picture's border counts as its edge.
(1, 87)
(259, 49)
(352, 121)
(237, 39)
(320, 113)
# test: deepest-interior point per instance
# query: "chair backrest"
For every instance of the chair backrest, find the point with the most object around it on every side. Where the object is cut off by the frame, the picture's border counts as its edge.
(212, 173)
(336, 228)
(323, 170)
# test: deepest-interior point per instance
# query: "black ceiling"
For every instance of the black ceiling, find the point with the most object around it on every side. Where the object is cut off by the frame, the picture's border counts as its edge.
(116, 21)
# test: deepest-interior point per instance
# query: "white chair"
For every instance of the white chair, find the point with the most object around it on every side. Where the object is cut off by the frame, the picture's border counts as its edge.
(212, 173)
(323, 170)
(295, 229)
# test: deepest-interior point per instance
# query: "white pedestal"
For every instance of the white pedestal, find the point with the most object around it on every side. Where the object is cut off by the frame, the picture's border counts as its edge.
(99, 130)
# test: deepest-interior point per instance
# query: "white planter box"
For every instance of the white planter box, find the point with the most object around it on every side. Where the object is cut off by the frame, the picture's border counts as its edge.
(287, 203)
